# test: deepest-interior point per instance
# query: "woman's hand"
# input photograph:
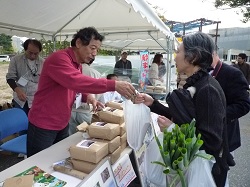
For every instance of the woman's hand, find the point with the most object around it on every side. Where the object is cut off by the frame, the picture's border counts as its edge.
(96, 104)
(143, 98)
(164, 122)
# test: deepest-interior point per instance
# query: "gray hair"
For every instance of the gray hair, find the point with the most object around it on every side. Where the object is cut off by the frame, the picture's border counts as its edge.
(199, 48)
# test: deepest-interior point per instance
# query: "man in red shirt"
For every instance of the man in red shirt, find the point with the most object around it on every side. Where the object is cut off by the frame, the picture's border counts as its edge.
(60, 81)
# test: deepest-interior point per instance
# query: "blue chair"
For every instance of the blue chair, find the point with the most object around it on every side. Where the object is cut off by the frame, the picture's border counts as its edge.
(13, 121)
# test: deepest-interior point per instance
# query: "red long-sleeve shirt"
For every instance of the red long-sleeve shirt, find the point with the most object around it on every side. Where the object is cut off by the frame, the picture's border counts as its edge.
(60, 80)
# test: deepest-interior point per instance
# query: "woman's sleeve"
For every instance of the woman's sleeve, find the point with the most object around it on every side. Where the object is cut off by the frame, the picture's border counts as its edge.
(160, 109)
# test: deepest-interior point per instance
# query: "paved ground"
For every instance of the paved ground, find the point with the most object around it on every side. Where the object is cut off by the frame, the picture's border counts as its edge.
(239, 175)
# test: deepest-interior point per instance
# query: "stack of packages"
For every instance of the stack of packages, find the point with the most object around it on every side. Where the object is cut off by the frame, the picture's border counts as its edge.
(107, 138)
(114, 114)
(149, 89)
(159, 89)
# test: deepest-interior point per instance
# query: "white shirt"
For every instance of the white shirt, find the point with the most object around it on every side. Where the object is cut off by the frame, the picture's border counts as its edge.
(153, 73)
(110, 96)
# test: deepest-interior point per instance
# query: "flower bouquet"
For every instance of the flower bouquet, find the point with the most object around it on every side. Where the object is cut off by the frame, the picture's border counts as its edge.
(178, 149)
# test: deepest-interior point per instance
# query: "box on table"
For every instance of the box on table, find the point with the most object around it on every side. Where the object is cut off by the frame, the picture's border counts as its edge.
(95, 118)
(112, 144)
(20, 181)
(83, 127)
(115, 104)
(123, 146)
(115, 155)
(86, 167)
(122, 129)
(89, 150)
(111, 115)
(103, 130)
(124, 138)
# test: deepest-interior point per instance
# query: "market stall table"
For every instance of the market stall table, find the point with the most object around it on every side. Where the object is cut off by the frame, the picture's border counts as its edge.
(47, 157)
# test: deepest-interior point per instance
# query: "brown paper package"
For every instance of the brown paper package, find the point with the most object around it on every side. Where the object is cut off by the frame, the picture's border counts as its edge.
(124, 138)
(122, 129)
(123, 146)
(94, 153)
(86, 167)
(22, 181)
(112, 144)
(115, 155)
(114, 104)
(102, 130)
(111, 115)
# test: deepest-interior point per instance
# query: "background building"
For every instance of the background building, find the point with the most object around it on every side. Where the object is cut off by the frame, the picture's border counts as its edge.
(232, 41)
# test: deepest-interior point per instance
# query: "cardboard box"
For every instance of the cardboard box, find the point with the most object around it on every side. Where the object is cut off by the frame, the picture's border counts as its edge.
(123, 146)
(122, 129)
(112, 144)
(82, 127)
(115, 155)
(89, 150)
(124, 138)
(95, 118)
(103, 130)
(150, 87)
(22, 181)
(115, 104)
(111, 115)
(86, 167)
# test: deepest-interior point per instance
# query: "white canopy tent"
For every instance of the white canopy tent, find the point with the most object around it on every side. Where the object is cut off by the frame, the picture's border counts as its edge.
(126, 24)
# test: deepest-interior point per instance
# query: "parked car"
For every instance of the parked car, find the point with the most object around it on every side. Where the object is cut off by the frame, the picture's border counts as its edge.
(4, 58)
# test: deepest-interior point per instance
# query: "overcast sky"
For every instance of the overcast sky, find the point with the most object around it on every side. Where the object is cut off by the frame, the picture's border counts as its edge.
(188, 10)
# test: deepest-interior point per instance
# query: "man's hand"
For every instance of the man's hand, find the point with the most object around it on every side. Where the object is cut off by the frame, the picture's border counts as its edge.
(125, 89)
(96, 104)
(20, 94)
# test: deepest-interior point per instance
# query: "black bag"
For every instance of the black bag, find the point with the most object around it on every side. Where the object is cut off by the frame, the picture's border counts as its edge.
(181, 106)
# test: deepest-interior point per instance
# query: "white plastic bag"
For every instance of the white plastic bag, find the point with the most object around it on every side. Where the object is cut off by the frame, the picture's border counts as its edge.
(199, 173)
(137, 119)
(154, 172)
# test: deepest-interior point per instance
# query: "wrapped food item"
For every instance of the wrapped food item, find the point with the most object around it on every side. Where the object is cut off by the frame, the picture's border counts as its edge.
(89, 150)
(103, 130)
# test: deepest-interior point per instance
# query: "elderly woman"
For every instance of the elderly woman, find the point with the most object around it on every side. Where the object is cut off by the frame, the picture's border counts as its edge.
(194, 58)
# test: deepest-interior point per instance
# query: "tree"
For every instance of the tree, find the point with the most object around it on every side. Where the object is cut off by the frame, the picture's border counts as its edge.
(244, 6)
(6, 44)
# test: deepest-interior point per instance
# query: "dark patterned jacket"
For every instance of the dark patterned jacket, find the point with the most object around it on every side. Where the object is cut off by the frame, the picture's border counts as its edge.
(210, 110)
(235, 88)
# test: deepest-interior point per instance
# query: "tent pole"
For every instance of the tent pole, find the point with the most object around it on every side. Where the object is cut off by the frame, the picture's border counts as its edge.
(157, 42)
(168, 67)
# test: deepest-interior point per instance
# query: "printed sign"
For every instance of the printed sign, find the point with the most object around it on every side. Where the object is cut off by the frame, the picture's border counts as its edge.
(143, 76)
(102, 177)
(123, 171)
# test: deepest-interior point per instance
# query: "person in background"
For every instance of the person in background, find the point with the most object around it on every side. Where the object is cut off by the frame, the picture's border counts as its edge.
(113, 95)
(243, 66)
(153, 74)
(235, 88)
(181, 80)
(194, 58)
(123, 67)
(60, 82)
(83, 112)
(162, 70)
(24, 73)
